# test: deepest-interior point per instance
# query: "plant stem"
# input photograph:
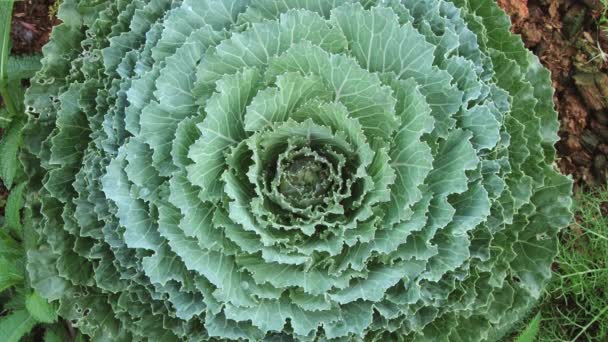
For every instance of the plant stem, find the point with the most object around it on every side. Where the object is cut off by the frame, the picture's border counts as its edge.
(590, 323)
(583, 272)
(6, 10)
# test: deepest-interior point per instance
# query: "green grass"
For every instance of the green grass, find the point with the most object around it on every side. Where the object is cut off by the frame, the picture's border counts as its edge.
(575, 307)
(603, 21)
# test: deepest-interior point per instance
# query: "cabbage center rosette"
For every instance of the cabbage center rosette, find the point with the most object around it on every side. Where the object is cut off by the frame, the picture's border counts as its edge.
(291, 170)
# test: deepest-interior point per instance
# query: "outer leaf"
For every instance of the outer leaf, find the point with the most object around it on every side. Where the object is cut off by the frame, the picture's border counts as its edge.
(22, 67)
(44, 276)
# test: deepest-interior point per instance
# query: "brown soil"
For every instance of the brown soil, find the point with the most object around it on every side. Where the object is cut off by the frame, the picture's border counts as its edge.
(565, 35)
(32, 25)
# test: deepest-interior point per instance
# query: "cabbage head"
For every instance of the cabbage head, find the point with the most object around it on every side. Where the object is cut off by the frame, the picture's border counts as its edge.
(291, 170)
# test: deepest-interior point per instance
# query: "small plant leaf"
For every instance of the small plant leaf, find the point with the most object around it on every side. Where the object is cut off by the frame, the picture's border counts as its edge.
(57, 333)
(531, 332)
(9, 164)
(13, 207)
(40, 308)
(9, 247)
(16, 325)
(11, 273)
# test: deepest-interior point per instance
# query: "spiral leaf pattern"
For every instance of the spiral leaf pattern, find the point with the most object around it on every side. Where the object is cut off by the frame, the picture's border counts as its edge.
(293, 170)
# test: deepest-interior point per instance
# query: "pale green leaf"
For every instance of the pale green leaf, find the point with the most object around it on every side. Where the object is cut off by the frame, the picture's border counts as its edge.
(222, 128)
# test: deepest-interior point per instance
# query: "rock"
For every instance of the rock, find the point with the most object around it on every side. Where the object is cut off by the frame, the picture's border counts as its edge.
(573, 19)
(594, 89)
(582, 159)
(572, 144)
(515, 7)
(601, 116)
(590, 140)
(600, 130)
(600, 167)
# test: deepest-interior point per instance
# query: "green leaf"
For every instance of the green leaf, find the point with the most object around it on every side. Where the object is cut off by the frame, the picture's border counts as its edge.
(276, 104)
(531, 332)
(271, 315)
(141, 231)
(22, 67)
(13, 208)
(410, 157)
(9, 246)
(16, 325)
(6, 90)
(11, 272)
(42, 270)
(379, 279)
(6, 11)
(40, 308)
(222, 128)
(454, 157)
(51, 336)
(9, 164)
(263, 41)
(408, 54)
(5, 118)
(362, 92)
(357, 316)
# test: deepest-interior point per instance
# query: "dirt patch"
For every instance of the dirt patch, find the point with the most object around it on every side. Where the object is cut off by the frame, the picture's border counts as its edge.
(566, 36)
(33, 21)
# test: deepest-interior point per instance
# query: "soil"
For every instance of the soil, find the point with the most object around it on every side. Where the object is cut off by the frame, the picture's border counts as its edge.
(567, 37)
(33, 21)
(564, 34)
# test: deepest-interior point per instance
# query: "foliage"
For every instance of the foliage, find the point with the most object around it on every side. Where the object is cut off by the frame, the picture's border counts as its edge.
(12, 71)
(239, 169)
(21, 307)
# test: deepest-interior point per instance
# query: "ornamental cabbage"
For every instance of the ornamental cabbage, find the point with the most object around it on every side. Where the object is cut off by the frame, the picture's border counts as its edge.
(291, 170)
